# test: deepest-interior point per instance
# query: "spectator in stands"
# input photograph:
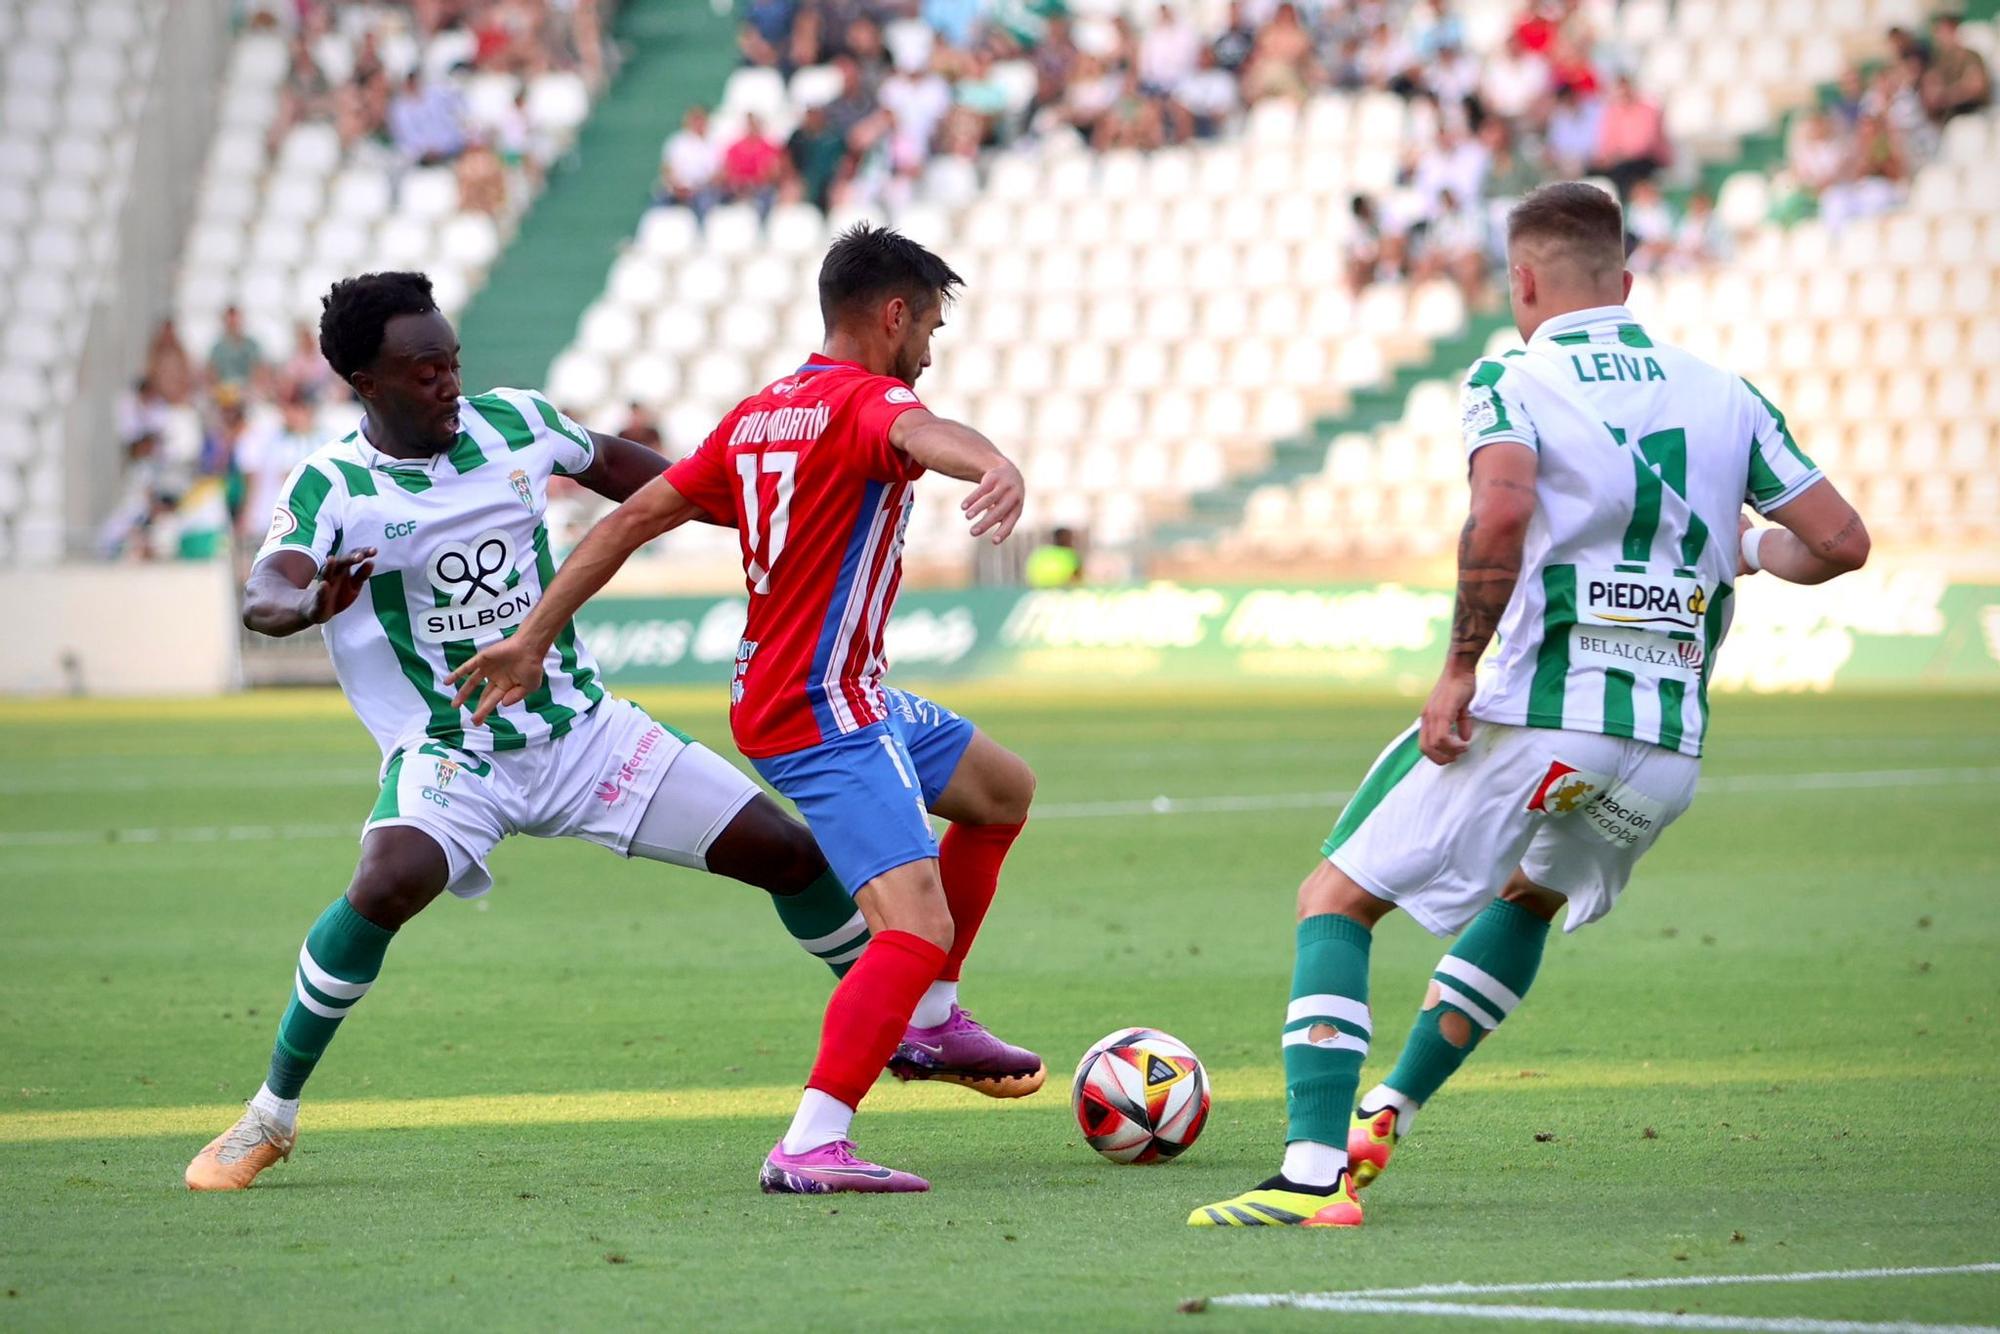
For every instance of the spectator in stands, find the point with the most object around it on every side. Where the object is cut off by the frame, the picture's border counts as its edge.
(690, 165)
(1281, 62)
(1454, 246)
(1574, 132)
(642, 426)
(168, 368)
(1207, 96)
(305, 373)
(917, 101)
(956, 21)
(750, 166)
(235, 359)
(1816, 153)
(765, 35)
(815, 151)
(1364, 244)
(1632, 140)
(1957, 81)
(482, 181)
(1456, 163)
(1650, 227)
(264, 456)
(1387, 61)
(1844, 102)
(1235, 44)
(1872, 177)
(1169, 53)
(427, 122)
(1701, 239)
(1896, 97)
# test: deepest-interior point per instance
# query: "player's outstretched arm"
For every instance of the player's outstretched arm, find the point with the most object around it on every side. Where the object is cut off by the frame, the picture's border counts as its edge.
(619, 467)
(1822, 538)
(287, 592)
(1489, 565)
(956, 450)
(509, 669)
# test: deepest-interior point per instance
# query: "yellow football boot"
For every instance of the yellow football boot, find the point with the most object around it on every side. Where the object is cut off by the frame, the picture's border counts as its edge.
(233, 1159)
(1370, 1141)
(1277, 1203)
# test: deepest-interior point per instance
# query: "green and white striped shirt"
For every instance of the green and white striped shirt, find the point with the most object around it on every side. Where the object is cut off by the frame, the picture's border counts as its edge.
(464, 555)
(1647, 455)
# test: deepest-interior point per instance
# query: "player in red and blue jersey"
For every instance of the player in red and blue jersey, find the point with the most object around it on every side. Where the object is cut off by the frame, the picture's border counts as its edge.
(815, 474)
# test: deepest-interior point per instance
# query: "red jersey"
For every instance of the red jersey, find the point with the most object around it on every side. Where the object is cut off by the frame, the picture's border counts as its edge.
(819, 498)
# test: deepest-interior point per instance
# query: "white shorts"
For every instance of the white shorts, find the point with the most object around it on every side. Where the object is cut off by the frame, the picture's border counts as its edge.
(594, 783)
(1574, 810)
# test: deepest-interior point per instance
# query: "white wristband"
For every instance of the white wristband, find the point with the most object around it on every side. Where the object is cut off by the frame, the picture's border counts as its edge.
(1753, 538)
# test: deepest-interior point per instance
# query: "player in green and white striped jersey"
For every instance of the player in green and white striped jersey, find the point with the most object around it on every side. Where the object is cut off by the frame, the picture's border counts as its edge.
(1609, 473)
(413, 541)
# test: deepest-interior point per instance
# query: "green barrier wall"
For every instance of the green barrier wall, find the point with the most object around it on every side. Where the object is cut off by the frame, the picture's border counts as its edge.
(1886, 631)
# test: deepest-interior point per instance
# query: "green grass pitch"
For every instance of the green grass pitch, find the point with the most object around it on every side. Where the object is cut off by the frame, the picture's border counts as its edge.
(1780, 1053)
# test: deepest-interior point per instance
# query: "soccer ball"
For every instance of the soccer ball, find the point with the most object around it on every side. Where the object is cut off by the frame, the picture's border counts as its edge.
(1140, 1096)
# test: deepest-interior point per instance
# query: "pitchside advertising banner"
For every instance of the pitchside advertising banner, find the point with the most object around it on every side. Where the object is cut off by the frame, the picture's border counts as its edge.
(1893, 630)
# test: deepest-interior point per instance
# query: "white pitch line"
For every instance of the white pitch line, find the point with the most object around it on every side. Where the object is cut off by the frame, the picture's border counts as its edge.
(1579, 1315)
(1076, 810)
(1409, 1301)
(1675, 1281)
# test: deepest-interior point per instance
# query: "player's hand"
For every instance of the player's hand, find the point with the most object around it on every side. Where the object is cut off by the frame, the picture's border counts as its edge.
(508, 670)
(1742, 527)
(1445, 729)
(995, 504)
(340, 581)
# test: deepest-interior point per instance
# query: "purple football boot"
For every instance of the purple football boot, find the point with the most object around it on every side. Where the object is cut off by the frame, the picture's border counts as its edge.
(961, 1051)
(829, 1169)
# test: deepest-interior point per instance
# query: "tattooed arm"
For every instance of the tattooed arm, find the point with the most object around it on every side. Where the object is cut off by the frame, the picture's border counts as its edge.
(1489, 565)
(1826, 538)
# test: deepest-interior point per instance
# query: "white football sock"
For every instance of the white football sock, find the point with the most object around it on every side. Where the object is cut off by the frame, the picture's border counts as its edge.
(1310, 1164)
(285, 1111)
(821, 1119)
(935, 1007)
(1383, 1096)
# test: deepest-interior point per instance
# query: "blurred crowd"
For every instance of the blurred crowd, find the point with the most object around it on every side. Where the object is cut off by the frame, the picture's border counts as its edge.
(885, 88)
(1855, 154)
(392, 79)
(208, 434)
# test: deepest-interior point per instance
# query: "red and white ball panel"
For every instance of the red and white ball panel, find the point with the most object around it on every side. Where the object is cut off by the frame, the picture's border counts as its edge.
(1140, 1096)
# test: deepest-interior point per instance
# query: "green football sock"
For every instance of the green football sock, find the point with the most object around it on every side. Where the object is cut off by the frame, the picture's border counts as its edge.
(1326, 1028)
(342, 954)
(823, 919)
(1480, 981)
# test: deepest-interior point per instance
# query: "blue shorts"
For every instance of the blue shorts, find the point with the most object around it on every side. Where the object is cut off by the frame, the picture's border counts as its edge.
(866, 795)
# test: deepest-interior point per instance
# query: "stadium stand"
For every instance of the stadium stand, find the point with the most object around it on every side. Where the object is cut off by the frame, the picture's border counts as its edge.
(71, 95)
(1141, 327)
(1224, 261)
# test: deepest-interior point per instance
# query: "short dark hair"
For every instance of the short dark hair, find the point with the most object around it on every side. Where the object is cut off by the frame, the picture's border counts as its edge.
(354, 312)
(1578, 218)
(867, 263)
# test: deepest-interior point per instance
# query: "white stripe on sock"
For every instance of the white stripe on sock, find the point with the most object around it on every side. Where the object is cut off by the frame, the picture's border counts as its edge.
(305, 999)
(846, 931)
(845, 956)
(326, 983)
(1341, 1042)
(1496, 992)
(1467, 1004)
(1330, 1007)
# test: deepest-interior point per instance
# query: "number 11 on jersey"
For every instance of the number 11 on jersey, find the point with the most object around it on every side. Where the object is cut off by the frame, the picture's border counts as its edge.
(765, 533)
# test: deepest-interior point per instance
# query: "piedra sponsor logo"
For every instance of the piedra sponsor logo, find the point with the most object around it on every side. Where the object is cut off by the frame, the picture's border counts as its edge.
(1612, 598)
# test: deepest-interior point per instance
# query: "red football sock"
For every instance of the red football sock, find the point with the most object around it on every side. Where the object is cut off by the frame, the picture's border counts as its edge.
(969, 857)
(869, 1011)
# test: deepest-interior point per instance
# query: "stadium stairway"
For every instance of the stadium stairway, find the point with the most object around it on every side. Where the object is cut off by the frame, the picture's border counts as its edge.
(675, 52)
